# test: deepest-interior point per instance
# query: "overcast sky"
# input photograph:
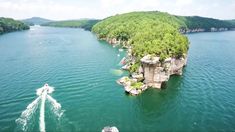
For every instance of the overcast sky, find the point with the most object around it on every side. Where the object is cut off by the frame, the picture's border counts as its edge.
(75, 9)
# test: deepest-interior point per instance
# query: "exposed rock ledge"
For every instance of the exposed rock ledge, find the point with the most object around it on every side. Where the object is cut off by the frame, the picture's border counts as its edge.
(115, 41)
(153, 72)
(131, 85)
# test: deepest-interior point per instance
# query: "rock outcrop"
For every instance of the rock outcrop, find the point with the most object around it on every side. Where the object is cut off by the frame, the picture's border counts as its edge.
(131, 85)
(110, 129)
(151, 73)
(156, 72)
(197, 30)
(218, 29)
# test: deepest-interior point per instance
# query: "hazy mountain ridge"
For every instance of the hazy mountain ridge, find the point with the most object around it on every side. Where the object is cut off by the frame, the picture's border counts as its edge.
(86, 24)
(36, 21)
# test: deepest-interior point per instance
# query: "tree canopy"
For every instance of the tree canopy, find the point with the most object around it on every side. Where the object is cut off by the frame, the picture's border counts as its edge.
(194, 22)
(85, 24)
(153, 33)
(9, 25)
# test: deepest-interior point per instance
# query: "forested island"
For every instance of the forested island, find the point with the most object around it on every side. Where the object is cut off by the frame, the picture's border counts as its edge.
(156, 48)
(10, 25)
(155, 41)
(83, 23)
(156, 44)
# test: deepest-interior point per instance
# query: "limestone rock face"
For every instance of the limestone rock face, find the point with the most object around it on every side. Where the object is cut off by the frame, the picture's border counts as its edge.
(129, 88)
(139, 77)
(156, 72)
(115, 41)
(112, 41)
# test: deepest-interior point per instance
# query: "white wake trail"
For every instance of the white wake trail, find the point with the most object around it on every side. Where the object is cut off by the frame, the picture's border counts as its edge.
(42, 112)
(27, 114)
(56, 106)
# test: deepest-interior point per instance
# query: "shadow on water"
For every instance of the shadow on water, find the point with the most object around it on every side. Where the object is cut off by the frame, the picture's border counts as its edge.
(156, 102)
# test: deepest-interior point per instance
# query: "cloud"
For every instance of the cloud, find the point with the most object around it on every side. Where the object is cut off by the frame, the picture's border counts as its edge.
(111, 3)
(48, 9)
(74, 9)
(183, 2)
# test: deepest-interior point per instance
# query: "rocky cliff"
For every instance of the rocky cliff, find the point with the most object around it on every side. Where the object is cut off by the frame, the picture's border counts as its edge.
(114, 41)
(152, 73)
(156, 73)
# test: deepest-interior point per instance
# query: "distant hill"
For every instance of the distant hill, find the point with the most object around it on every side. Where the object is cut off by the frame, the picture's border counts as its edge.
(86, 24)
(36, 21)
(10, 25)
(231, 21)
(186, 24)
(206, 24)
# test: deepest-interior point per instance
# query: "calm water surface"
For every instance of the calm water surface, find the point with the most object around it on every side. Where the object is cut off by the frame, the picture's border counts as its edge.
(78, 66)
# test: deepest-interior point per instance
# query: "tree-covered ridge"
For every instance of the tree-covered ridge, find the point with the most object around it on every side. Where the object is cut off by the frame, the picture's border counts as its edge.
(146, 32)
(231, 22)
(85, 24)
(196, 22)
(36, 21)
(111, 26)
(9, 25)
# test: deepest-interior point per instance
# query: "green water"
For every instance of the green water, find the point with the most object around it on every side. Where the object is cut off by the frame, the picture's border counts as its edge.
(79, 67)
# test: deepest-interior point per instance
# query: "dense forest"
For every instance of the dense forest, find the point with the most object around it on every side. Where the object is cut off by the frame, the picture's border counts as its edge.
(231, 22)
(183, 22)
(153, 33)
(85, 23)
(156, 32)
(196, 22)
(10, 25)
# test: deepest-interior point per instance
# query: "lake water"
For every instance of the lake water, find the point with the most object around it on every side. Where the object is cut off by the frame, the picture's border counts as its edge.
(80, 68)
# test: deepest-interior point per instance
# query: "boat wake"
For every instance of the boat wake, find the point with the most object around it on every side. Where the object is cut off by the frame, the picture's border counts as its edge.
(56, 107)
(27, 114)
(23, 122)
